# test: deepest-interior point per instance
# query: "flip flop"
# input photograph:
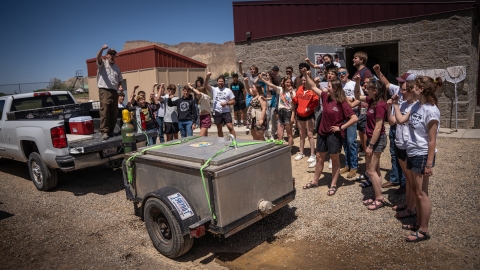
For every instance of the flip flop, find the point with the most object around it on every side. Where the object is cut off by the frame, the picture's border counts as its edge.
(332, 189)
(369, 201)
(361, 177)
(310, 185)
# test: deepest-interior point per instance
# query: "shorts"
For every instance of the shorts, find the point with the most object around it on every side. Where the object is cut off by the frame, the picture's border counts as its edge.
(205, 121)
(380, 145)
(301, 118)
(362, 123)
(331, 143)
(401, 153)
(417, 163)
(222, 118)
(284, 116)
(239, 105)
(171, 128)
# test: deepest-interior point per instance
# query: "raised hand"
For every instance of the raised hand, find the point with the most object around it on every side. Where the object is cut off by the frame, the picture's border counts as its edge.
(389, 102)
(395, 98)
(209, 74)
(376, 68)
(104, 47)
(357, 78)
(240, 62)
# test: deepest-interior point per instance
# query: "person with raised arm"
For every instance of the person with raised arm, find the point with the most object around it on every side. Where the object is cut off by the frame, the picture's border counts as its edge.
(109, 79)
(160, 114)
(423, 123)
(337, 116)
(376, 139)
(171, 115)
(286, 108)
(205, 108)
(148, 110)
(407, 208)
(223, 98)
(187, 112)
(257, 111)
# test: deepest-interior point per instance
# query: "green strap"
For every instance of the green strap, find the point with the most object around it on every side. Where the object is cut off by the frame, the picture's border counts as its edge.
(132, 158)
(232, 144)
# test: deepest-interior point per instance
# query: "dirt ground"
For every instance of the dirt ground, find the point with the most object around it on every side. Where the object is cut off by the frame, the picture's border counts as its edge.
(87, 223)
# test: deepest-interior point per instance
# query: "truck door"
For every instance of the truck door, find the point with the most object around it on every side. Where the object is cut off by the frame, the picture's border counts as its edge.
(316, 52)
(3, 153)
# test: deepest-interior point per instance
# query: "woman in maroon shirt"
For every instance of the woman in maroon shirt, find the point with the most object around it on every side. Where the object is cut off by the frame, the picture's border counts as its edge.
(337, 115)
(375, 131)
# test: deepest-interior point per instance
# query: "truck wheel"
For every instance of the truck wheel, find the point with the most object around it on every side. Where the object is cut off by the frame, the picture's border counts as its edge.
(164, 230)
(43, 177)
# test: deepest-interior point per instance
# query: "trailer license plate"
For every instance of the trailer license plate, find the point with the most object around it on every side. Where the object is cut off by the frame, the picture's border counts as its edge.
(181, 205)
(109, 152)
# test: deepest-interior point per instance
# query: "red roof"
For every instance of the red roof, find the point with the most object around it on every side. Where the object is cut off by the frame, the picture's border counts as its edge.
(147, 57)
(265, 19)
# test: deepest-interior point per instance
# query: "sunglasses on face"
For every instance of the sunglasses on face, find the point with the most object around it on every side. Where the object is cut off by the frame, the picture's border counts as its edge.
(341, 73)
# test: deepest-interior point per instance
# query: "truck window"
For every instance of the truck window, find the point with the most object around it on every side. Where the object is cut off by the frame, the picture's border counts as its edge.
(2, 104)
(40, 102)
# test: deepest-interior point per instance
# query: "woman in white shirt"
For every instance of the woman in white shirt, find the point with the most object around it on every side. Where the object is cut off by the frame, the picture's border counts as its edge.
(204, 101)
(423, 123)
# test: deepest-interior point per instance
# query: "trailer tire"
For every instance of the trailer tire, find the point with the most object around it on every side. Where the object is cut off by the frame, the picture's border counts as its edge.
(164, 230)
(42, 177)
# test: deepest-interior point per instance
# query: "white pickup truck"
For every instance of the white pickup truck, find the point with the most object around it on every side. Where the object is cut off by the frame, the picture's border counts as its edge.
(34, 129)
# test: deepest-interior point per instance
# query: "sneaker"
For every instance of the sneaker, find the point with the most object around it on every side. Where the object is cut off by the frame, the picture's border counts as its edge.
(312, 164)
(352, 173)
(344, 170)
(330, 164)
(105, 136)
(361, 154)
(311, 159)
(299, 156)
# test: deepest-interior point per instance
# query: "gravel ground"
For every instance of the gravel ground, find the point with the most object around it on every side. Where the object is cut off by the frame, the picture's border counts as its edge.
(87, 223)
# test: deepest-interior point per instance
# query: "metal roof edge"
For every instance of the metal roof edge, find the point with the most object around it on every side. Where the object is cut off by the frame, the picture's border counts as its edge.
(343, 26)
(329, 2)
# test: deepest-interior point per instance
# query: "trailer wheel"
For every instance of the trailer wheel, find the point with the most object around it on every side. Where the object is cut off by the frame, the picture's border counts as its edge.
(164, 230)
(43, 177)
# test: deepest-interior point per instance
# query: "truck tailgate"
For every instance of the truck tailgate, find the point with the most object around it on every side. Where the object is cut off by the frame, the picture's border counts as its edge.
(97, 143)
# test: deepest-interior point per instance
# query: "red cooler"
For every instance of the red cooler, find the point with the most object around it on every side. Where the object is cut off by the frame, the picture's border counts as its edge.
(82, 125)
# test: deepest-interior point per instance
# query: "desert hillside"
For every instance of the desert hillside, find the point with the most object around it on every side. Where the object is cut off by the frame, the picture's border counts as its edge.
(220, 58)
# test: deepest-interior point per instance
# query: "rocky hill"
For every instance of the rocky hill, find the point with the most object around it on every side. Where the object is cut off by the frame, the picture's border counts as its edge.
(220, 58)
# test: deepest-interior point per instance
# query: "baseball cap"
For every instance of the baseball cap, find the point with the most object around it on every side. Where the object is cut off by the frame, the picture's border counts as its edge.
(111, 51)
(275, 68)
(406, 77)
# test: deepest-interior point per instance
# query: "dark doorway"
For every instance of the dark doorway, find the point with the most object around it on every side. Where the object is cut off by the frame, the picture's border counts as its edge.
(386, 55)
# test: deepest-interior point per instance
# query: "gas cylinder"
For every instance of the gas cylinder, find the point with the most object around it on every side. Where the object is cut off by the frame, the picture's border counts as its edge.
(128, 133)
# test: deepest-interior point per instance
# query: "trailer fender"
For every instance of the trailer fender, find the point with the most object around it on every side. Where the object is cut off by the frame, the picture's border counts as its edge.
(178, 204)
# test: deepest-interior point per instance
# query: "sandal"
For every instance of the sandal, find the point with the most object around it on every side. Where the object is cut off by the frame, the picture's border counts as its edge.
(332, 189)
(366, 184)
(400, 207)
(310, 185)
(369, 201)
(376, 204)
(410, 226)
(405, 213)
(418, 238)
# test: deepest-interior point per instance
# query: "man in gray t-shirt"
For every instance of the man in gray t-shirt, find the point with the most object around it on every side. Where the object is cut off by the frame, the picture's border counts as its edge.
(109, 79)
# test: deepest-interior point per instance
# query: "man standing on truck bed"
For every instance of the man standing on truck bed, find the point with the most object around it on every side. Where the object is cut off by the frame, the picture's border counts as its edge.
(109, 78)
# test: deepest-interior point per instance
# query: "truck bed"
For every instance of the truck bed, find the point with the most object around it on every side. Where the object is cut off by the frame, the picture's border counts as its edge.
(97, 143)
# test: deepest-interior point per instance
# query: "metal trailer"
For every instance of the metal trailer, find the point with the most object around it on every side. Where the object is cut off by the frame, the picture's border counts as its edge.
(240, 186)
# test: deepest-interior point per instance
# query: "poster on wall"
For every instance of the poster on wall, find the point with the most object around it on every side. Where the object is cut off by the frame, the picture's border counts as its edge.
(319, 61)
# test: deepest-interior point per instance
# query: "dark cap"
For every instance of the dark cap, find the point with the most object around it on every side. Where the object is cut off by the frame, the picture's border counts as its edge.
(275, 68)
(111, 51)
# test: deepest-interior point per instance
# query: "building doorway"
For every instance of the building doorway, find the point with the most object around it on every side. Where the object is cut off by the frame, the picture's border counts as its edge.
(384, 54)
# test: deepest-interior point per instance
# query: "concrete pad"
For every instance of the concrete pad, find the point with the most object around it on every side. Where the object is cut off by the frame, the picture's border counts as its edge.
(449, 133)
(472, 134)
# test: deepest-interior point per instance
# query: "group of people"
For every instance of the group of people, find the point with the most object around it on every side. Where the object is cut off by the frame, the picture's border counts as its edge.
(333, 109)
(336, 108)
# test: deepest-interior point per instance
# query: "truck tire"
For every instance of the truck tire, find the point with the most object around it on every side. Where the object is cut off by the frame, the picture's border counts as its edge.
(164, 230)
(43, 177)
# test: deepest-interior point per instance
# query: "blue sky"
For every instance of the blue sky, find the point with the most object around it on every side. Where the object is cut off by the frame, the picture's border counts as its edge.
(46, 39)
